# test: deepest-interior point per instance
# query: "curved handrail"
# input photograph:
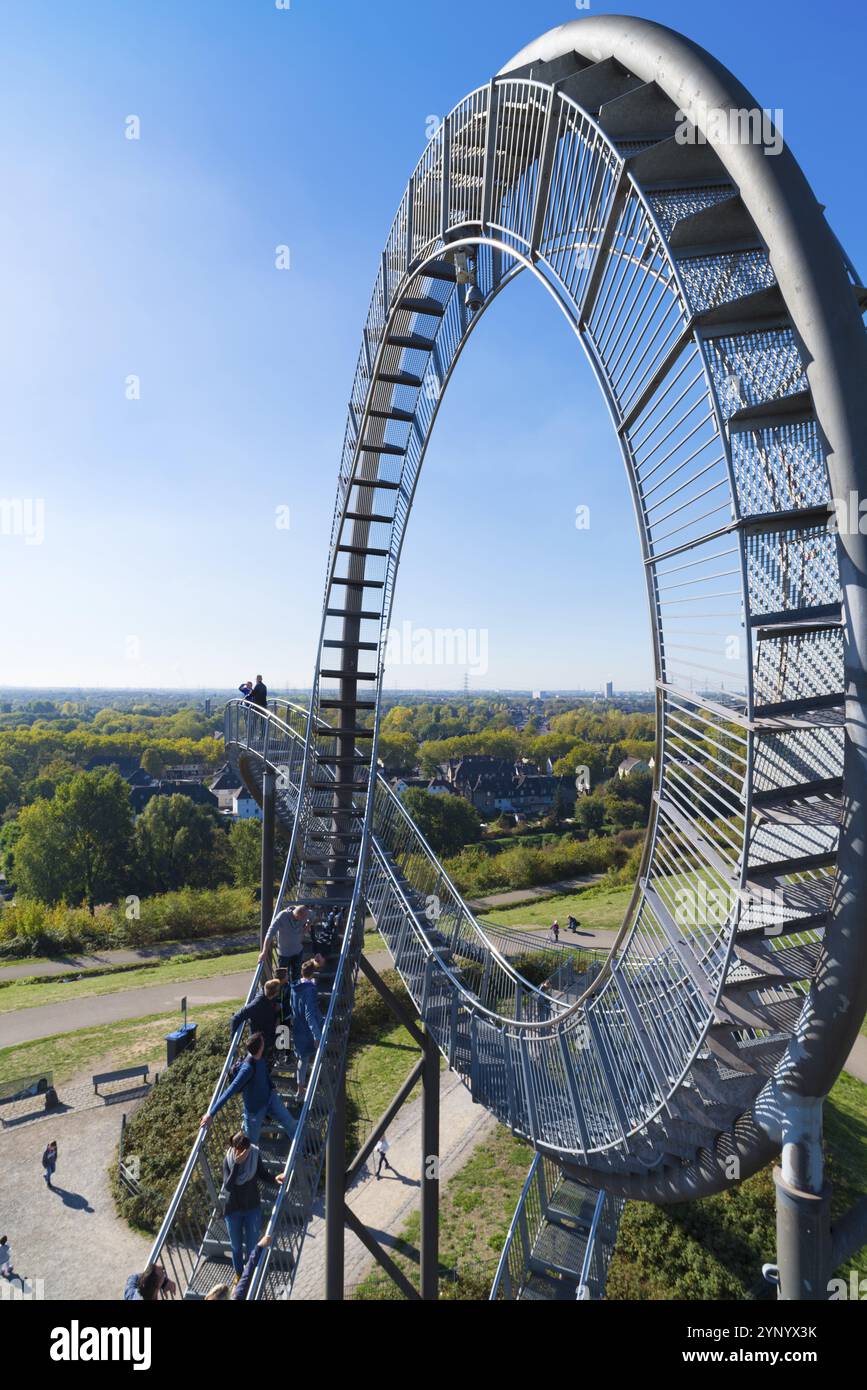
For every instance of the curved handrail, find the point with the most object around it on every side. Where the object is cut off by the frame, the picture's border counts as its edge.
(501, 959)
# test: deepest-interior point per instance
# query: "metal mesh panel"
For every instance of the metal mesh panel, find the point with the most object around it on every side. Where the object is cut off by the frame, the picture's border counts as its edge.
(779, 468)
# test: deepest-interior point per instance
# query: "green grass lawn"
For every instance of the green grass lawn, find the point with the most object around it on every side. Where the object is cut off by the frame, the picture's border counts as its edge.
(476, 1208)
(706, 1250)
(28, 993)
(597, 909)
(128, 1043)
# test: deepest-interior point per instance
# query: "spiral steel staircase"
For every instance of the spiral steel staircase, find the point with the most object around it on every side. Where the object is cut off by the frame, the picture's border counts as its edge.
(722, 321)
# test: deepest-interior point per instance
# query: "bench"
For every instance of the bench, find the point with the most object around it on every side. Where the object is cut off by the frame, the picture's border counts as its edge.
(103, 1077)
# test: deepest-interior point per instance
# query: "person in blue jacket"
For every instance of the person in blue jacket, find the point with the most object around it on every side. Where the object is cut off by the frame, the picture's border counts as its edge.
(254, 1084)
(306, 1021)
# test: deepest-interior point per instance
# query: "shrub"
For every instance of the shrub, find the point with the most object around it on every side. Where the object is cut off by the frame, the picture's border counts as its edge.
(30, 928)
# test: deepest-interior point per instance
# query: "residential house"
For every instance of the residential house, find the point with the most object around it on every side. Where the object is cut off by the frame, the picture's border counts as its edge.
(630, 765)
(245, 807)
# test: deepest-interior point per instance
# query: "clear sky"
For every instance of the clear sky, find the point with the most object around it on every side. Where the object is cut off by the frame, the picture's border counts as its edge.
(160, 562)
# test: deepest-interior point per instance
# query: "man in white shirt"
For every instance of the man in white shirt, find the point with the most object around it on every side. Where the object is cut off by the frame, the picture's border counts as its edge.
(381, 1150)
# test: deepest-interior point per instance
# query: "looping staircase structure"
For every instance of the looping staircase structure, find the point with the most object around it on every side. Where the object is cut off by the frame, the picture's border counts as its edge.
(722, 321)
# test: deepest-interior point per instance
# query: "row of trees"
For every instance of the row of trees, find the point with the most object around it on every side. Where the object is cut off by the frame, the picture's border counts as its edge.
(34, 761)
(82, 845)
(424, 736)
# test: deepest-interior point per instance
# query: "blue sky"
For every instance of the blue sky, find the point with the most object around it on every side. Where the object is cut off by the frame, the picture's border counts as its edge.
(161, 563)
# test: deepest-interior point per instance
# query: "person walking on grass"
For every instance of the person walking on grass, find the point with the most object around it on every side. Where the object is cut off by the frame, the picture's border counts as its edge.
(306, 1022)
(49, 1161)
(253, 1083)
(381, 1150)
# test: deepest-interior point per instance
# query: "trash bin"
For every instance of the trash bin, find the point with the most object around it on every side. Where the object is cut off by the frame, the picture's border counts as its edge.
(179, 1041)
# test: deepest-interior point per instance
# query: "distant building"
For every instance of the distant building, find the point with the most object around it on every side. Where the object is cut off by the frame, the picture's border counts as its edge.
(126, 766)
(140, 778)
(186, 772)
(494, 785)
(245, 807)
(630, 765)
(609, 690)
(225, 786)
(194, 791)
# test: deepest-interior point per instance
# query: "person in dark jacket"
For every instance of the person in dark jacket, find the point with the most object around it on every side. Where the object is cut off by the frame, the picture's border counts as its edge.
(243, 1284)
(152, 1284)
(306, 1021)
(243, 1170)
(244, 689)
(259, 694)
(254, 1084)
(49, 1161)
(262, 1013)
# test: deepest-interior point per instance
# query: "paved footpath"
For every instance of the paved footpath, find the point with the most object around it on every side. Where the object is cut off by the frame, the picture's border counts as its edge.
(384, 1206)
(524, 895)
(67, 965)
(70, 1239)
(44, 1021)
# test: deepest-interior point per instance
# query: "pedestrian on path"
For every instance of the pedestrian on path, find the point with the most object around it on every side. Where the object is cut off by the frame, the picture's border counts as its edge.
(572, 923)
(49, 1161)
(260, 1097)
(381, 1150)
(6, 1262)
(554, 930)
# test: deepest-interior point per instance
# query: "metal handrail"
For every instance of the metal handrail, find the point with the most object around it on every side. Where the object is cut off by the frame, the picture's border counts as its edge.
(501, 959)
(503, 1261)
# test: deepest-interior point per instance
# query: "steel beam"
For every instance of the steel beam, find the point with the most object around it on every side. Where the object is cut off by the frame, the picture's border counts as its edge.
(269, 786)
(430, 1171)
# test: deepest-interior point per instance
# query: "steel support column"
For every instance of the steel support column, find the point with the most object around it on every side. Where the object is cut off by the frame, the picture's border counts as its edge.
(335, 1202)
(430, 1171)
(803, 1205)
(269, 785)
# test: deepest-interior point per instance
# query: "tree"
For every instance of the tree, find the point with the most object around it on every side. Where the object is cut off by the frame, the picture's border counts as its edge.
(245, 845)
(447, 822)
(76, 848)
(9, 787)
(590, 812)
(153, 763)
(623, 812)
(560, 806)
(179, 844)
(398, 751)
